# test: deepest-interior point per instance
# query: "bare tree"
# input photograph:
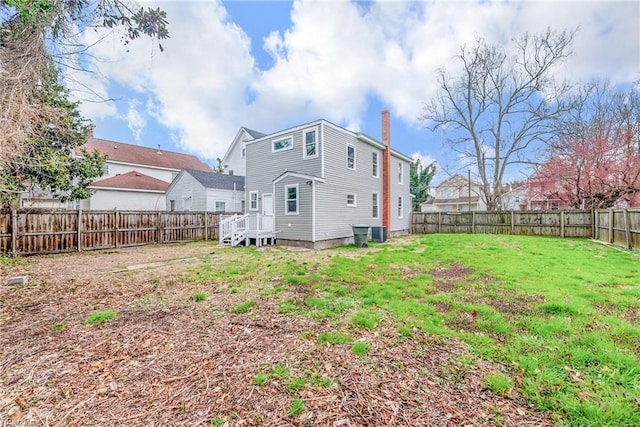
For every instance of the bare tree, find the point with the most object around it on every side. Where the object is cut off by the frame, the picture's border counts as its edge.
(501, 105)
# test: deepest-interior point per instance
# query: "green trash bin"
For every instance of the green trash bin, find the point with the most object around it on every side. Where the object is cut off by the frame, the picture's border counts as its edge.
(360, 233)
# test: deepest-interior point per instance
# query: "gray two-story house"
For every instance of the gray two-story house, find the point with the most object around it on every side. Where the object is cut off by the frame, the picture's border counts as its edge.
(318, 179)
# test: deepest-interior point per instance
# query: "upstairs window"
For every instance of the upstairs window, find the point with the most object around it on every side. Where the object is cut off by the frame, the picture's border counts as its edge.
(310, 144)
(351, 200)
(244, 150)
(374, 161)
(399, 173)
(351, 157)
(105, 169)
(282, 144)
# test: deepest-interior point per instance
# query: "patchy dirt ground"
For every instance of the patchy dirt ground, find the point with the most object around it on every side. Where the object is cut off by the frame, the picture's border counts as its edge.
(168, 360)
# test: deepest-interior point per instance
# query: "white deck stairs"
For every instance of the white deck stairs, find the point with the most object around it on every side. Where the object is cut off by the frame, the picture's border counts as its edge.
(241, 229)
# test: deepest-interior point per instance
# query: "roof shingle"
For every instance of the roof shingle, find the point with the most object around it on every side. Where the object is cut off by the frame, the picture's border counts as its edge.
(132, 181)
(218, 180)
(138, 155)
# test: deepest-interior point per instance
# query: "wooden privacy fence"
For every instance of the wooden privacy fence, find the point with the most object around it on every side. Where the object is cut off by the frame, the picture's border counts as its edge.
(617, 226)
(30, 232)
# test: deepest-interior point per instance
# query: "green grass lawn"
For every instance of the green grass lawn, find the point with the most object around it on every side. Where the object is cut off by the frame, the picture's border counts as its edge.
(562, 315)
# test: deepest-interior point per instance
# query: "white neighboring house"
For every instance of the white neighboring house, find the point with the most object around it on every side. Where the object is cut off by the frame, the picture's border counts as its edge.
(206, 191)
(135, 177)
(515, 199)
(234, 161)
(452, 195)
(128, 191)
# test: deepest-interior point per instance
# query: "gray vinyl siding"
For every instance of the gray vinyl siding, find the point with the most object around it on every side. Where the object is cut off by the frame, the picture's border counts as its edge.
(397, 190)
(264, 167)
(293, 227)
(333, 218)
(184, 187)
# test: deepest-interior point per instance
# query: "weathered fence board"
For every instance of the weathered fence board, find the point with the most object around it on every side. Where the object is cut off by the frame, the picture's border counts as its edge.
(39, 231)
(617, 226)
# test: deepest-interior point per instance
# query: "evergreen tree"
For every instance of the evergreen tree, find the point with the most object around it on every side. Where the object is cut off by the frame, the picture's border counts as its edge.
(420, 178)
(53, 159)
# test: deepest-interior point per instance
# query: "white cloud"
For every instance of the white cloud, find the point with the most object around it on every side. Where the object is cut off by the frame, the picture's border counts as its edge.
(197, 84)
(135, 120)
(322, 65)
(333, 58)
(425, 159)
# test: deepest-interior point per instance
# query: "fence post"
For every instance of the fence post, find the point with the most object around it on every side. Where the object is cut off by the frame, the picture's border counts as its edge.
(562, 224)
(79, 229)
(473, 222)
(158, 227)
(594, 224)
(206, 228)
(611, 225)
(14, 232)
(116, 220)
(627, 228)
(439, 222)
(513, 223)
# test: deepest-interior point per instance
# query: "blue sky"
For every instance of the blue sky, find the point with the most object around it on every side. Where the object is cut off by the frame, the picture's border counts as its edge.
(269, 65)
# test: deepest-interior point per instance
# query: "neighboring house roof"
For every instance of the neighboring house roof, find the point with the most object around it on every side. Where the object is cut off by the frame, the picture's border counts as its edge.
(218, 180)
(456, 177)
(139, 155)
(254, 133)
(457, 200)
(132, 181)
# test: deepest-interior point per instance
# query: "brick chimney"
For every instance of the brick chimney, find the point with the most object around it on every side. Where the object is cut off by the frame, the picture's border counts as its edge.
(386, 171)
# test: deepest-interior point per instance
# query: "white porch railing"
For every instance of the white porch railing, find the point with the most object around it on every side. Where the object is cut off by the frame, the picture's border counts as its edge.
(233, 229)
(236, 229)
(260, 224)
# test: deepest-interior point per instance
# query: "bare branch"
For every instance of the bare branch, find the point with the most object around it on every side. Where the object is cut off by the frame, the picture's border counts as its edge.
(501, 107)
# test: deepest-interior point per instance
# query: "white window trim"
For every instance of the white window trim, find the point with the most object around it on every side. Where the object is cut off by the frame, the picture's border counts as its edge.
(304, 144)
(400, 207)
(377, 205)
(400, 173)
(286, 199)
(355, 200)
(377, 171)
(251, 193)
(354, 157)
(273, 144)
(217, 202)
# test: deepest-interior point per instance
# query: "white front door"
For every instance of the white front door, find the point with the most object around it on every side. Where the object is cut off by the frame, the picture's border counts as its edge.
(267, 204)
